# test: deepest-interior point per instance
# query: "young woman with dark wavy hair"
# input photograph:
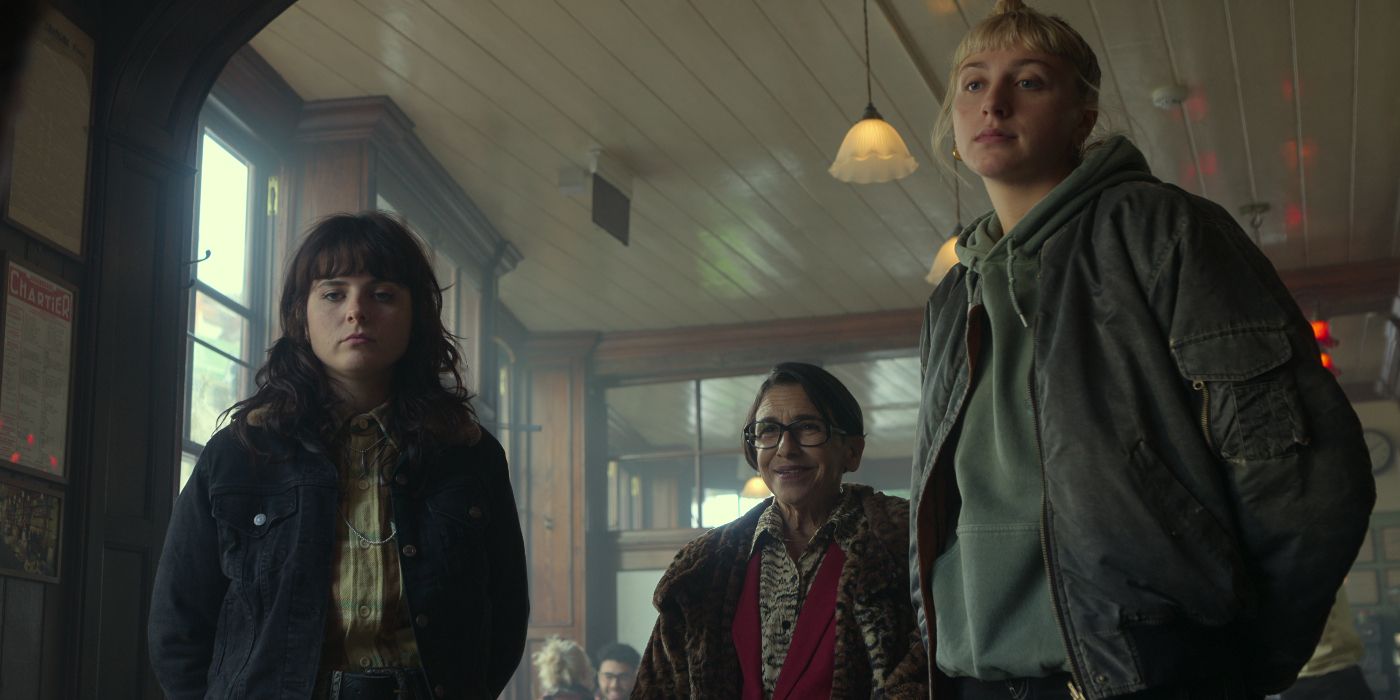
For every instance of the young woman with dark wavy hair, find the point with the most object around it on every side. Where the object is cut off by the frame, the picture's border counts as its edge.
(352, 533)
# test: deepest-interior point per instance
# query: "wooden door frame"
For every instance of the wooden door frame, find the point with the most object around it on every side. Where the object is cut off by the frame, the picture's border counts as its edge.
(156, 62)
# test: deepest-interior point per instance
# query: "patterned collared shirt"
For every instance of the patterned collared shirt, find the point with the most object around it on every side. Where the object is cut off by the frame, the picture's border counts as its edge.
(783, 583)
(367, 625)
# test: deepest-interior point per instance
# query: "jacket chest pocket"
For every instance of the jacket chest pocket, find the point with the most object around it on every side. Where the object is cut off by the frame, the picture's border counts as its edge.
(1248, 403)
(460, 515)
(254, 531)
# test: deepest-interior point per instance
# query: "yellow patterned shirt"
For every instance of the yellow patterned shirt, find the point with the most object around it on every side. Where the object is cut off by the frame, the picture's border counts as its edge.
(367, 625)
(783, 583)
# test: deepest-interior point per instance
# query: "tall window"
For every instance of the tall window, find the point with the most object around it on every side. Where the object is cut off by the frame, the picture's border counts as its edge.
(228, 322)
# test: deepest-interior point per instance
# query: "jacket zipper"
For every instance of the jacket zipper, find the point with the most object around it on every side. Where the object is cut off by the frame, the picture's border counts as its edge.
(1075, 673)
(1200, 386)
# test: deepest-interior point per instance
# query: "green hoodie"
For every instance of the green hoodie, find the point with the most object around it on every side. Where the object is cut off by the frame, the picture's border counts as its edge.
(994, 612)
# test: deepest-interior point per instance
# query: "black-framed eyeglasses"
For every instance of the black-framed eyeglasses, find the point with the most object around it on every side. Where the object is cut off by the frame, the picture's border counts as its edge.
(809, 432)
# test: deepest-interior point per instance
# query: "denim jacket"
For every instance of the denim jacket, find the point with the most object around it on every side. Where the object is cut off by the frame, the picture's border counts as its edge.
(1205, 483)
(243, 587)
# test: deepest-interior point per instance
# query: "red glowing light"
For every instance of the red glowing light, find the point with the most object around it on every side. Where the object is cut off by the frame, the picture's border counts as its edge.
(1197, 107)
(1327, 362)
(1293, 215)
(1322, 332)
(1188, 174)
(1286, 88)
(53, 461)
(1292, 152)
(29, 438)
(1209, 163)
(14, 457)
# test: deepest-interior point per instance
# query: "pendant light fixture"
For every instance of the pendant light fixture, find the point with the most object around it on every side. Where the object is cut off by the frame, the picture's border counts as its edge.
(947, 255)
(872, 150)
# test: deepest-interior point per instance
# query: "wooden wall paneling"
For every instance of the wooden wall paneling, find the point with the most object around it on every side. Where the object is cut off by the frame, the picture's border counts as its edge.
(1347, 288)
(125, 669)
(335, 177)
(550, 510)
(553, 508)
(138, 359)
(23, 626)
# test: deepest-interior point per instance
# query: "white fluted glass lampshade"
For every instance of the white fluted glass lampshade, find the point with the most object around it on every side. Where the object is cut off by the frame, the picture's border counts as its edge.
(944, 261)
(872, 152)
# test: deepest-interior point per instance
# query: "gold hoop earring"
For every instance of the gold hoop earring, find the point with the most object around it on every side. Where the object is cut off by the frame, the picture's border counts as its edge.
(956, 155)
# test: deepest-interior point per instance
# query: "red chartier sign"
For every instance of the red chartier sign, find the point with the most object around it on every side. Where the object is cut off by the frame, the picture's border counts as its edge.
(34, 382)
(41, 293)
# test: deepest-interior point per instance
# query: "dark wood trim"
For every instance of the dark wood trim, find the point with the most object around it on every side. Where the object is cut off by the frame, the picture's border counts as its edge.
(1349, 288)
(548, 348)
(259, 98)
(650, 549)
(353, 119)
(700, 350)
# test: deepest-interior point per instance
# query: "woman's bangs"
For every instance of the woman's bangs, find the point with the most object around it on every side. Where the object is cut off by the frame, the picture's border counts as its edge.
(351, 254)
(1011, 31)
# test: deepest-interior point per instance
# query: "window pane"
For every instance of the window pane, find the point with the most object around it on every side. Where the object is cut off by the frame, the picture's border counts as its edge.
(724, 477)
(724, 403)
(223, 219)
(888, 392)
(651, 418)
(215, 383)
(187, 462)
(469, 313)
(651, 493)
(219, 325)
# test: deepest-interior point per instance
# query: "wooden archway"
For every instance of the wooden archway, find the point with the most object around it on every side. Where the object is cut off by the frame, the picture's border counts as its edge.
(156, 62)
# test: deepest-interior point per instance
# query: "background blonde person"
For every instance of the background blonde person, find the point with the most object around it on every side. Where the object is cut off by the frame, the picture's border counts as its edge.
(563, 670)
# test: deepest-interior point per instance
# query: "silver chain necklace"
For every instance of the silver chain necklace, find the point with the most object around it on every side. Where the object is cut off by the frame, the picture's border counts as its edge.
(393, 531)
(364, 474)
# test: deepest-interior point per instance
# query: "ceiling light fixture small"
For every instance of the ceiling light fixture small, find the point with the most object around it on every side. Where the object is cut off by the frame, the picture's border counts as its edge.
(947, 255)
(1170, 96)
(872, 150)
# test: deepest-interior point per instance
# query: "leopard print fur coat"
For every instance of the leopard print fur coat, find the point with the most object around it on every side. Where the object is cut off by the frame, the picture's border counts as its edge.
(878, 651)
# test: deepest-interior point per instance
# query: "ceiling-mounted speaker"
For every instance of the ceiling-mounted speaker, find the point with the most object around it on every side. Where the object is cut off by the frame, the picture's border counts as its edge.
(612, 196)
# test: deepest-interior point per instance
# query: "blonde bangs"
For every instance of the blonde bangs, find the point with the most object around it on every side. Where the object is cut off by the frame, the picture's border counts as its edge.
(1020, 27)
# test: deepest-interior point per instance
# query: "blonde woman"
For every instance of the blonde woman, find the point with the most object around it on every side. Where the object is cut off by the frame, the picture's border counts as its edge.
(564, 670)
(1133, 477)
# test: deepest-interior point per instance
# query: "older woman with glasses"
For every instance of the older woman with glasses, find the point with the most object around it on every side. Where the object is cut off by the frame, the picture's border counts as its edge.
(803, 596)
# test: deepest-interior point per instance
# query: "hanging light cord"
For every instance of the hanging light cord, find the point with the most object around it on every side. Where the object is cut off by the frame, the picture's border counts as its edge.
(865, 12)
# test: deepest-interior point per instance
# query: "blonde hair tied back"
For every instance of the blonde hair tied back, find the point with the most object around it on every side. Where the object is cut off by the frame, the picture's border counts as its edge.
(561, 663)
(1013, 24)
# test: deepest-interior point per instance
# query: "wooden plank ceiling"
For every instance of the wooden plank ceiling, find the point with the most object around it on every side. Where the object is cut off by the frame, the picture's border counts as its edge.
(728, 112)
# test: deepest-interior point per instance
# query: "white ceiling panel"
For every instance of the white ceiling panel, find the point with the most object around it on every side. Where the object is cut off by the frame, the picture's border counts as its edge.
(728, 112)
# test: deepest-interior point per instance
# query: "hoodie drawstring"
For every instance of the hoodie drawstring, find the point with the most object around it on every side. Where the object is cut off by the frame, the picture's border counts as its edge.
(1011, 280)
